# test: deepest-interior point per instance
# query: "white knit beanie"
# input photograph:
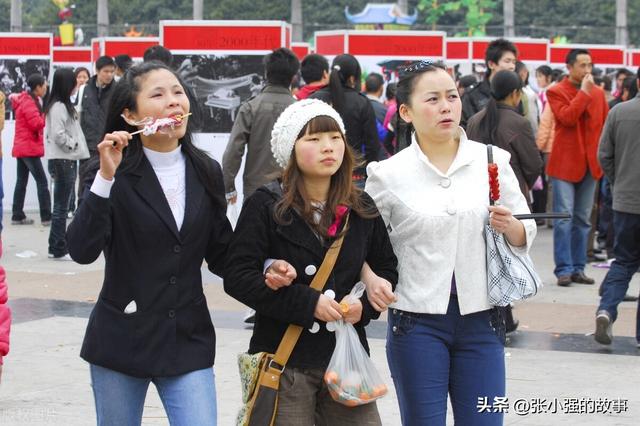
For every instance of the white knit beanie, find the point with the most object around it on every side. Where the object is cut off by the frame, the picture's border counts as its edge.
(290, 123)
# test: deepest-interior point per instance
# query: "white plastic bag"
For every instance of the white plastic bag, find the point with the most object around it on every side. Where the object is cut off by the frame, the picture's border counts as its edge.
(233, 213)
(351, 377)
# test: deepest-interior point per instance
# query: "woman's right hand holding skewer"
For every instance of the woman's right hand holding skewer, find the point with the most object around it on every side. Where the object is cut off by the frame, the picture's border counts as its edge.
(110, 150)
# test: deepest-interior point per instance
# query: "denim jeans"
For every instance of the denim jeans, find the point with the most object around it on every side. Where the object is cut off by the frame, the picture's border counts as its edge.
(63, 173)
(431, 356)
(188, 399)
(605, 215)
(626, 249)
(25, 166)
(570, 236)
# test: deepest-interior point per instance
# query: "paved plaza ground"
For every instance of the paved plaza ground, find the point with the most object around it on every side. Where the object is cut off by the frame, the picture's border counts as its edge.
(553, 363)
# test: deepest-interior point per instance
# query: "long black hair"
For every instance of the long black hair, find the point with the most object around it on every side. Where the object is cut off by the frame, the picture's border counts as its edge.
(343, 68)
(124, 97)
(64, 81)
(33, 81)
(503, 84)
(408, 79)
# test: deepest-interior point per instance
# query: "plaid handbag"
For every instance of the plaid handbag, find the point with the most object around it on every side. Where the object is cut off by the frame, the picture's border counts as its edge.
(510, 276)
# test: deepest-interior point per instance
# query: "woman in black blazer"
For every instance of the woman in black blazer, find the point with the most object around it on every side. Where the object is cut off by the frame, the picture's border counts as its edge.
(157, 210)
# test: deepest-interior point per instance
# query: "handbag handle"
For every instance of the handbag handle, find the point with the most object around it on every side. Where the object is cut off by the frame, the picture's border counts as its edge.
(291, 336)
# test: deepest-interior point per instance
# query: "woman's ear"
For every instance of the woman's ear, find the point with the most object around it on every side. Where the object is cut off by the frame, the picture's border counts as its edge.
(404, 112)
(129, 116)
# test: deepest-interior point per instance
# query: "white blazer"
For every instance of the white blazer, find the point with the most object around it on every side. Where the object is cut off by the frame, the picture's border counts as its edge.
(436, 223)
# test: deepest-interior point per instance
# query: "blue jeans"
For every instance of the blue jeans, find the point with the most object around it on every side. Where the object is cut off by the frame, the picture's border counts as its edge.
(431, 356)
(33, 165)
(570, 236)
(626, 249)
(188, 399)
(63, 173)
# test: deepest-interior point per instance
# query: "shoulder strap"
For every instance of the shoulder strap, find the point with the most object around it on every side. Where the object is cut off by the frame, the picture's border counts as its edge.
(293, 332)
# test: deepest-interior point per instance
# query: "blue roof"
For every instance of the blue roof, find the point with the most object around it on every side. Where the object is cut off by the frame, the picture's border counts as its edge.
(381, 13)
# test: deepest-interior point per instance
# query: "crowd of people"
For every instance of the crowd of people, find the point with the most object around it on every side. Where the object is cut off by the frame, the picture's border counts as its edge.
(396, 171)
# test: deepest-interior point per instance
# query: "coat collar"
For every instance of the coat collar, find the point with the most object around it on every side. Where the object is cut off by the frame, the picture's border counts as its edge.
(464, 156)
(149, 189)
(299, 233)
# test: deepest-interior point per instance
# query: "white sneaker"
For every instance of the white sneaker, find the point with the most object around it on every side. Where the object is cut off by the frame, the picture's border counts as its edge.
(66, 257)
(603, 334)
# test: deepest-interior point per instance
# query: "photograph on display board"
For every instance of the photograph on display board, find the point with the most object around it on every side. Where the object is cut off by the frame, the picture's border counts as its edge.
(221, 83)
(14, 74)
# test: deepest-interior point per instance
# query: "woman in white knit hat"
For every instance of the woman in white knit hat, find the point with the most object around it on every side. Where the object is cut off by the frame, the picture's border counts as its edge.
(297, 220)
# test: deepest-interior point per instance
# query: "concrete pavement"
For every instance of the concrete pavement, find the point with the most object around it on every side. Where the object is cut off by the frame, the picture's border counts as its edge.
(550, 358)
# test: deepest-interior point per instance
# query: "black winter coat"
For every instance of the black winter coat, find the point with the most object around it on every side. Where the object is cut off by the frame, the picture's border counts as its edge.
(147, 259)
(359, 122)
(474, 100)
(94, 112)
(259, 237)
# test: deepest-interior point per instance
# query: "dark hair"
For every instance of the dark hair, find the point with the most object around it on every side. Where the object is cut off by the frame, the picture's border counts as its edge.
(467, 81)
(557, 74)
(544, 70)
(406, 84)
(606, 82)
(78, 70)
(521, 66)
(496, 49)
(630, 84)
(572, 56)
(623, 71)
(281, 66)
(124, 97)
(342, 190)
(123, 62)
(313, 67)
(158, 53)
(33, 81)
(64, 81)
(343, 68)
(104, 61)
(390, 92)
(503, 84)
(373, 82)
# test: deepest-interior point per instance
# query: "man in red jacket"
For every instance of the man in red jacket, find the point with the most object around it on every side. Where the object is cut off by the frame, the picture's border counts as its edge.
(580, 110)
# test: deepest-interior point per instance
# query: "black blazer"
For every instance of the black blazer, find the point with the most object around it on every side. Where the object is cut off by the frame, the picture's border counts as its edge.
(148, 260)
(258, 237)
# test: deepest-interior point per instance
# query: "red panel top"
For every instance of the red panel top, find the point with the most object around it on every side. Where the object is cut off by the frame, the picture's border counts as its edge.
(457, 49)
(396, 45)
(526, 51)
(222, 38)
(300, 51)
(634, 59)
(25, 46)
(531, 51)
(613, 56)
(287, 38)
(95, 51)
(330, 44)
(131, 47)
(72, 56)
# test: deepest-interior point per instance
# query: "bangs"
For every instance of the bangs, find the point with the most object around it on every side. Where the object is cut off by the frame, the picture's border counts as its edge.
(320, 124)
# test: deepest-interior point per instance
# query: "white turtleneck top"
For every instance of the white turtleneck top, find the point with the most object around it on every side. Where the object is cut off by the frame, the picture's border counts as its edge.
(169, 168)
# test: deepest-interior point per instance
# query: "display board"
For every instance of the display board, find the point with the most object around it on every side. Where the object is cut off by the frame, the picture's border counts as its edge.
(114, 46)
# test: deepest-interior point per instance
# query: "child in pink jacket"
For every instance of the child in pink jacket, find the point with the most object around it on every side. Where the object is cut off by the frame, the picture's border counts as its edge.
(5, 315)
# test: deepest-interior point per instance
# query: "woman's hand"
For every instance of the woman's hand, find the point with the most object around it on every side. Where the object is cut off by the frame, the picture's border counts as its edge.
(110, 150)
(279, 274)
(379, 290)
(354, 312)
(501, 219)
(327, 309)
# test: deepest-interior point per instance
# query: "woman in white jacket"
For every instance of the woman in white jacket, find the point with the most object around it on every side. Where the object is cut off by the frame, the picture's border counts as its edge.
(444, 337)
(64, 146)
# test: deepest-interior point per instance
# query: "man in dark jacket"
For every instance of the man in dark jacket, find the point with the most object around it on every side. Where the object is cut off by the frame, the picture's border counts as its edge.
(253, 125)
(619, 155)
(314, 69)
(501, 54)
(95, 100)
